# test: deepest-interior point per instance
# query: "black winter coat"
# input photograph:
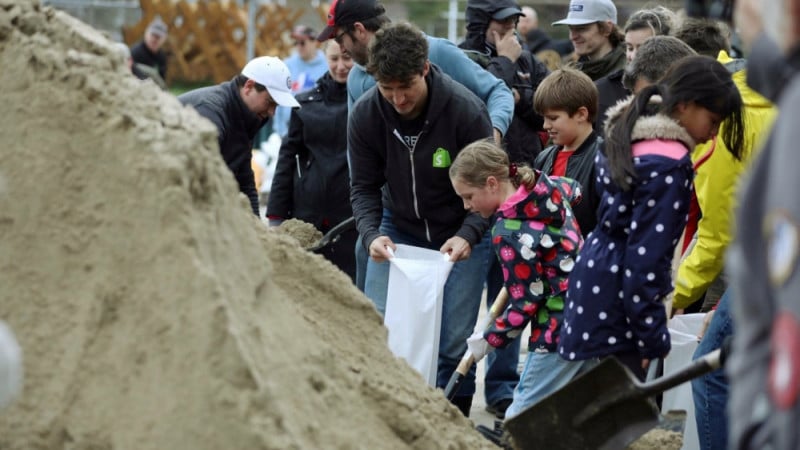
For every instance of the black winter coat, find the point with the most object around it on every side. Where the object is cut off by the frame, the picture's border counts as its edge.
(236, 125)
(580, 167)
(311, 181)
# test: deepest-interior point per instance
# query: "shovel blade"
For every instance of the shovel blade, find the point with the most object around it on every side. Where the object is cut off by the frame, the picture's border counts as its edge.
(600, 409)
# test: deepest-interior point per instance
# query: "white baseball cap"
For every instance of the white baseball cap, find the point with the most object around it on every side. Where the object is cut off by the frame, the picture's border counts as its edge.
(582, 12)
(273, 74)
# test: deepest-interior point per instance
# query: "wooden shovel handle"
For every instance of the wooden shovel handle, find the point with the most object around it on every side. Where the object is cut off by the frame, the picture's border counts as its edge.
(468, 359)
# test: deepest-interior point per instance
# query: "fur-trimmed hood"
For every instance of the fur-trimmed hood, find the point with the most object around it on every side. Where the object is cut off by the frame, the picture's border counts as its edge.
(658, 126)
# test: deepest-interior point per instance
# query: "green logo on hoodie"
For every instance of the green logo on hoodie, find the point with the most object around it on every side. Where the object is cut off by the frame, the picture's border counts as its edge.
(441, 158)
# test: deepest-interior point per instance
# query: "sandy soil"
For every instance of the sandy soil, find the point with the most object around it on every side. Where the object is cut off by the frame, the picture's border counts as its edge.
(154, 310)
(305, 233)
(657, 439)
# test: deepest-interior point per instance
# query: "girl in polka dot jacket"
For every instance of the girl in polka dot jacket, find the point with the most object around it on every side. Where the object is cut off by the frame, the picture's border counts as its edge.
(623, 273)
(536, 238)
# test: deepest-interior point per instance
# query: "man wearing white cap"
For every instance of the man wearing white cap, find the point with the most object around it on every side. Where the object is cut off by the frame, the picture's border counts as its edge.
(240, 107)
(595, 36)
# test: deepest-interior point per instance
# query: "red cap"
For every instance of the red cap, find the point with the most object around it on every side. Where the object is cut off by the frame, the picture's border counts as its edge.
(347, 12)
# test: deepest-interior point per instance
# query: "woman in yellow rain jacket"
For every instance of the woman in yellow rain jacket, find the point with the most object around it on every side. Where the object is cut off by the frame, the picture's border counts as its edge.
(716, 180)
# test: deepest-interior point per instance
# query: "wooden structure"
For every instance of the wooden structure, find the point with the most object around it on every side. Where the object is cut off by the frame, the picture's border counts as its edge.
(207, 38)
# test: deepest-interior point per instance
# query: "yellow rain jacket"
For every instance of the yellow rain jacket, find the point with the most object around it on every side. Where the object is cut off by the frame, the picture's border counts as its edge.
(716, 182)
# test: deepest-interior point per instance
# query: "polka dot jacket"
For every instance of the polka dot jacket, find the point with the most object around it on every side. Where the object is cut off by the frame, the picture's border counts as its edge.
(536, 238)
(623, 272)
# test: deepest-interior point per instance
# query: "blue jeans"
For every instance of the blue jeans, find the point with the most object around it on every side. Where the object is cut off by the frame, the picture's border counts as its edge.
(544, 374)
(710, 392)
(461, 302)
(501, 365)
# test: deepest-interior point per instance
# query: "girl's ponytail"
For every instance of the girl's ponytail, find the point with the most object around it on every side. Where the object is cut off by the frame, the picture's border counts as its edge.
(618, 140)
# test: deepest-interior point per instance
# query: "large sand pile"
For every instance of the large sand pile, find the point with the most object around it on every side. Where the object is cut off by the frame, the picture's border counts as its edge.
(154, 311)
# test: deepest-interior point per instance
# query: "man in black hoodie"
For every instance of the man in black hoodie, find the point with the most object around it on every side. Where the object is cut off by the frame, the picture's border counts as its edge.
(402, 136)
(493, 43)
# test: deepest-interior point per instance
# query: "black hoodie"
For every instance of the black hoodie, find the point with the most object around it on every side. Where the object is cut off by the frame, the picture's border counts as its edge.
(522, 141)
(418, 191)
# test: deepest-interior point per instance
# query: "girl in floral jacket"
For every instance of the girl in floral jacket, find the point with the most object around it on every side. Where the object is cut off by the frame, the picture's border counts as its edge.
(536, 238)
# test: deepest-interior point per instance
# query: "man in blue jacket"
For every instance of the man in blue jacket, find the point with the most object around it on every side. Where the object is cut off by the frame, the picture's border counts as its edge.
(402, 137)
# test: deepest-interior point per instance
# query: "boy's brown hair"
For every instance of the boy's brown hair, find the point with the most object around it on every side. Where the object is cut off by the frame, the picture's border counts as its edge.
(566, 90)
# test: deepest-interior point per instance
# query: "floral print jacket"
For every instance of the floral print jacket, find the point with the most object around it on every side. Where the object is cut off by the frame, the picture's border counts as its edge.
(536, 238)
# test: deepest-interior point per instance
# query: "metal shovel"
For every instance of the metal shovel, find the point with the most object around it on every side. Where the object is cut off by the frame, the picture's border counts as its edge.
(605, 408)
(333, 234)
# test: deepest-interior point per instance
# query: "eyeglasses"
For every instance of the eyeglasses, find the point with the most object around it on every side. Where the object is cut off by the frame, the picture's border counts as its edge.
(271, 103)
(300, 43)
(338, 37)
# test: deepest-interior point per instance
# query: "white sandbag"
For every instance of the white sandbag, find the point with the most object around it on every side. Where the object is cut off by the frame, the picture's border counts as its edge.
(683, 330)
(414, 306)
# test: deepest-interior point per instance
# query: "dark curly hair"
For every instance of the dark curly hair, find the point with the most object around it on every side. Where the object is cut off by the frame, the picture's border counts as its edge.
(397, 53)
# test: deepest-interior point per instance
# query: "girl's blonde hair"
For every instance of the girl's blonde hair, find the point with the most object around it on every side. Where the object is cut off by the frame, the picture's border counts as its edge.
(483, 159)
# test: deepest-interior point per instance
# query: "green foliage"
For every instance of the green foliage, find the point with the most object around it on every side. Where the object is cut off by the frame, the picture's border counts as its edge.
(179, 87)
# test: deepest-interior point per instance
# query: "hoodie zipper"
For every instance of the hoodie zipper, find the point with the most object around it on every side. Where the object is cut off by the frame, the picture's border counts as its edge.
(414, 179)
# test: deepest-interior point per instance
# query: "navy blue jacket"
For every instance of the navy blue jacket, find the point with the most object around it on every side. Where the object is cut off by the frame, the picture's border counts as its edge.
(623, 272)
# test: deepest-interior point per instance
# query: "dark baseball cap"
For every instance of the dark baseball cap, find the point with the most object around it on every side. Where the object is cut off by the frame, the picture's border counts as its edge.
(303, 32)
(505, 13)
(348, 12)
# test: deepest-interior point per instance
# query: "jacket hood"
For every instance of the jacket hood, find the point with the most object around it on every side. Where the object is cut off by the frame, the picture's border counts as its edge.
(543, 202)
(477, 15)
(657, 126)
(436, 100)
(750, 97)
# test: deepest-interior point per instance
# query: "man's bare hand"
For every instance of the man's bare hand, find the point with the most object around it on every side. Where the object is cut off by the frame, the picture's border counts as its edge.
(378, 249)
(458, 248)
(706, 322)
(508, 45)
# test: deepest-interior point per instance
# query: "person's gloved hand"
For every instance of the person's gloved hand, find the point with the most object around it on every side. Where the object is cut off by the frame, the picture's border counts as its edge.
(10, 366)
(478, 346)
